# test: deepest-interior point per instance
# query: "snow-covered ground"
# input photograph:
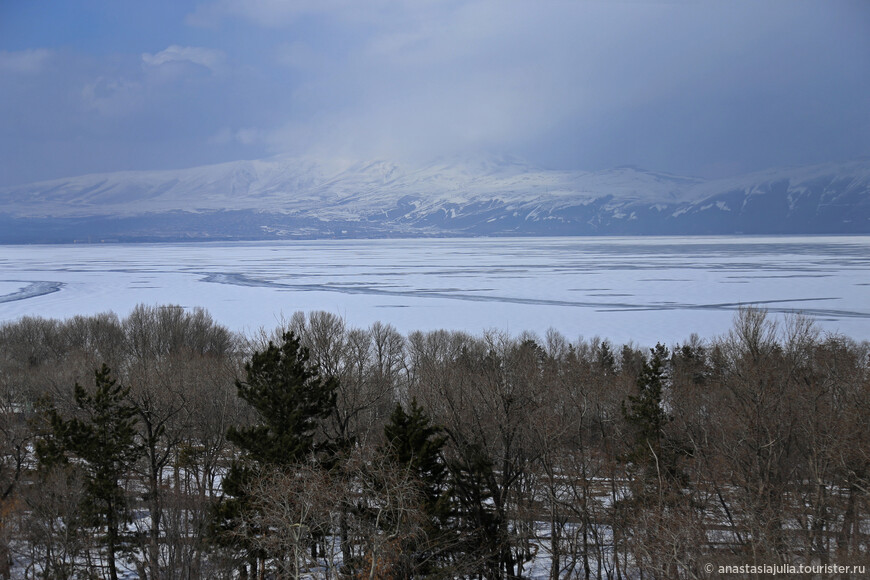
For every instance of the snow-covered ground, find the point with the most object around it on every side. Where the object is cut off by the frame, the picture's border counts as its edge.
(624, 289)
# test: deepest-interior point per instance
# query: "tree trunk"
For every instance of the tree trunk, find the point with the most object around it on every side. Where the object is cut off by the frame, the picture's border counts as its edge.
(111, 541)
(156, 514)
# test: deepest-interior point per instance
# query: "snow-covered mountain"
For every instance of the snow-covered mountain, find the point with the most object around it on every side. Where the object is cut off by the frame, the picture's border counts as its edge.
(285, 197)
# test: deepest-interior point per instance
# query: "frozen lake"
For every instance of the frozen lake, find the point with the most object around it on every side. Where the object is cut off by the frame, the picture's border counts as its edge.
(625, 289)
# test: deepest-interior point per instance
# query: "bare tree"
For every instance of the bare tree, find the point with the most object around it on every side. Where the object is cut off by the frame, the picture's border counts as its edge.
(294, 510)
(56, 542)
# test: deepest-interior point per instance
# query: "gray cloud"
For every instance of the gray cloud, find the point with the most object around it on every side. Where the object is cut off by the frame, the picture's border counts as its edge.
(689, 87)
(705, 88)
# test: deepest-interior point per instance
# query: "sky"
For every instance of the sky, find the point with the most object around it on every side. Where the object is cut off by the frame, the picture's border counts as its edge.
(706, 88)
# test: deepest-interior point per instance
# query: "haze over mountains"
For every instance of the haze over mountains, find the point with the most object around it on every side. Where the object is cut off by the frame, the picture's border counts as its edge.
(287, 197)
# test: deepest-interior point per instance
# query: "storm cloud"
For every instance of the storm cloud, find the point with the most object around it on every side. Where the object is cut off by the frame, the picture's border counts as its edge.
(705, 88)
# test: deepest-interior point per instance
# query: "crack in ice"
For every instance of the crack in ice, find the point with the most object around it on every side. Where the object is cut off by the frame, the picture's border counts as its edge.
(242, 280)
(32, 290)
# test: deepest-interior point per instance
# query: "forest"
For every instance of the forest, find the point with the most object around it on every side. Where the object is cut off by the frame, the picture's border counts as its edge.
(163, 446)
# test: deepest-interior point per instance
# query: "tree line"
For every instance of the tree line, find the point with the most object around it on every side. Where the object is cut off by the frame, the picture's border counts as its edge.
(165, 445)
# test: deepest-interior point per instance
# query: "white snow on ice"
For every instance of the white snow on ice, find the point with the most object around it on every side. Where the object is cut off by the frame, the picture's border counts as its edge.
(624, 289)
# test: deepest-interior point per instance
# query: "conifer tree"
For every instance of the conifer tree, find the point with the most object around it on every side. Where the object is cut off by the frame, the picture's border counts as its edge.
(652, 451)
(473, 481)
(104, 442)
(415, 445)
(290, 399)
(645, 414)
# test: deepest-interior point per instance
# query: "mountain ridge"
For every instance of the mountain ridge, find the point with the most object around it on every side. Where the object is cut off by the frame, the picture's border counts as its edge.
(291, 197)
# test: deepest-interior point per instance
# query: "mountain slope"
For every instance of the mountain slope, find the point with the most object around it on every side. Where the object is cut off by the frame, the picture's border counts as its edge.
(285, 197)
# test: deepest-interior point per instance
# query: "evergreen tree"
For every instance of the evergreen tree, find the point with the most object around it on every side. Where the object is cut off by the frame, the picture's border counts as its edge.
(651, 450)
(606, 359)
(480, 526)
(104, 442)
(415, 445)
(290, 399)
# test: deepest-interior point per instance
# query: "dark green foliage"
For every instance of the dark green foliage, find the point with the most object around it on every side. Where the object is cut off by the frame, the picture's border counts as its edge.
(480, 529)
(103, 439)
(415, 445)
(691, 363)
(606, 359)
(651, 450)
(645, 412)
(290, 398)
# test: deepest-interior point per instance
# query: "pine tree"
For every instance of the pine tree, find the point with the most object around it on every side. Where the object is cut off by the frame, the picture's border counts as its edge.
(479, 525)
(290, 399)
(104, 442)
(652, 451)
(415, 445)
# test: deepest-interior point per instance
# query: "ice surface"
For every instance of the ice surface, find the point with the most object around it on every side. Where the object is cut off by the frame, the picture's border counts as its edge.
(625, 289)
